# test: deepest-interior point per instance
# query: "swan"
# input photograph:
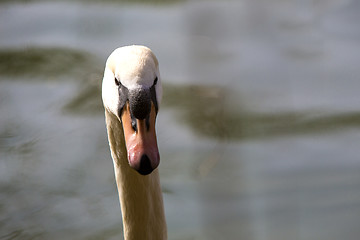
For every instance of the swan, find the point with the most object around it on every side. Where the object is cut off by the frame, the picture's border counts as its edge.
(131, 94)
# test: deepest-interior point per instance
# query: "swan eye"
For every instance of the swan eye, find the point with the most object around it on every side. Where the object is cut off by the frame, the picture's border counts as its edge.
(117, 83)
(133, 124)
(155, 81)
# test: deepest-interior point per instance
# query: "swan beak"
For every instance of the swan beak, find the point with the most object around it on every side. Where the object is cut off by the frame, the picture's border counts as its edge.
(141, 144)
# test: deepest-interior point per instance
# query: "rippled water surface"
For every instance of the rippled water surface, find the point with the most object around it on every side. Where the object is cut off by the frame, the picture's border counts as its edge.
(258, 130)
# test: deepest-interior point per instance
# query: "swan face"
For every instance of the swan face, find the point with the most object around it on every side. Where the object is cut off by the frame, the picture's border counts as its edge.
(132, 91)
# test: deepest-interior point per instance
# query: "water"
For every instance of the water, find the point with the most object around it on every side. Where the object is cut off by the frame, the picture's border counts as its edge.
(258, 130)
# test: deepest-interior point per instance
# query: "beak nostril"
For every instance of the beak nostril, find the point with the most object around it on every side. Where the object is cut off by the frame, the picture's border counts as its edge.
(145, 167)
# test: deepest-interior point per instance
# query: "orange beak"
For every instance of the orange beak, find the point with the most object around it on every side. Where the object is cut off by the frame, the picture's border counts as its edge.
(140, 140)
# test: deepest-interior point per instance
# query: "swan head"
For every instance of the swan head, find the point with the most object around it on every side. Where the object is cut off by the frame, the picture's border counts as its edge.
(131, 90)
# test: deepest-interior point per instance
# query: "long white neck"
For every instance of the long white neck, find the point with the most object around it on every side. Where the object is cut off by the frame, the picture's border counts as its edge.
(140, 196)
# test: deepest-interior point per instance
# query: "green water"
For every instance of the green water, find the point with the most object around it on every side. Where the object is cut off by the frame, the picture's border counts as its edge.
(258, 130)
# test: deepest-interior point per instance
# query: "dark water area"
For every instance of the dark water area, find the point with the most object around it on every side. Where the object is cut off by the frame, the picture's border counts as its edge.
(258, 130)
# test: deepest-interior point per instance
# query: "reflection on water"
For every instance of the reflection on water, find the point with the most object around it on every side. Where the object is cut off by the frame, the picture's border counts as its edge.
(258, 130)
(50, 62)
(204, 109)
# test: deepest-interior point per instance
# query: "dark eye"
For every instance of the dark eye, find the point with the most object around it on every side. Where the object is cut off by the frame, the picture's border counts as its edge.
(133, 124)
(155, 81)
(117, 83)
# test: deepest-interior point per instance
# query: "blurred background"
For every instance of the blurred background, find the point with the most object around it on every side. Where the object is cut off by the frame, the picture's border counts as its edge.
(258, 130)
